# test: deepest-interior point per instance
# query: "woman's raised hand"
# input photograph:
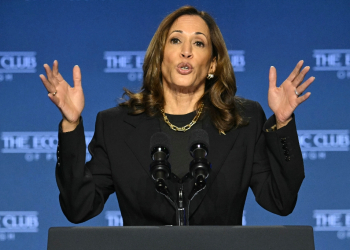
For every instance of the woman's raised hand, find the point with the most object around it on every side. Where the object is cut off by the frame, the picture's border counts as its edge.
(284, 99)
(70, 101)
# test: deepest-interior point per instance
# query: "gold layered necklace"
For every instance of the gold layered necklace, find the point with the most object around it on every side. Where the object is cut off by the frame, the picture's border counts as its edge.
(186, 127)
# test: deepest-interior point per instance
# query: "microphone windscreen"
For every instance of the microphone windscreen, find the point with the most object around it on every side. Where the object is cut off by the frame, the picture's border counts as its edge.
(199, 136)
(160, 139)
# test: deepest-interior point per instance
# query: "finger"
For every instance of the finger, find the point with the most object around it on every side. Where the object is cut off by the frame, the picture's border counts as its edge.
(300, 77)
(303, 98)
(272, 77)
(55, 68)
(296, 71)
(54, 99)
(305, 85)
(77, 76)
(49, 87)
(59, 78)
(48, 71)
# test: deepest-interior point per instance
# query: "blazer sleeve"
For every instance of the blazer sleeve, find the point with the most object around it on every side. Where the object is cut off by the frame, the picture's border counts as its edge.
(278, 168)
(84, 188)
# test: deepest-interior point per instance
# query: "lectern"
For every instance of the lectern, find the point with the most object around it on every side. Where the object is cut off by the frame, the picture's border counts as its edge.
(187, 237)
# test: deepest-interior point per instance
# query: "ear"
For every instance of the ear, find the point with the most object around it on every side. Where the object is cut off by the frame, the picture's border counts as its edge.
(212, 67)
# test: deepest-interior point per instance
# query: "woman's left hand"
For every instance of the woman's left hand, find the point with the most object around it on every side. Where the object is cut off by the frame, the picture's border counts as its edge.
(284, 99)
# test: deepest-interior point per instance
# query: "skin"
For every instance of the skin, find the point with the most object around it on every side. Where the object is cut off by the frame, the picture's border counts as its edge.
(189, 42)
(283, 100)
(70, 101)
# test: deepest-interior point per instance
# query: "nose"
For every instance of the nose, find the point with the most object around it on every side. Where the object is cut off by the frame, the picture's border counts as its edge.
(186, 50)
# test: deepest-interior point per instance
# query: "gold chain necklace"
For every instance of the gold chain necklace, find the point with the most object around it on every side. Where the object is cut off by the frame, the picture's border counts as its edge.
(186, 127)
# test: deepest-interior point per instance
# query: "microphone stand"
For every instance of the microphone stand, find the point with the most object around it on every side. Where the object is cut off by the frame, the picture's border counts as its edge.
(181, 205)
(198, 186)
(181, 208)
(162, 189)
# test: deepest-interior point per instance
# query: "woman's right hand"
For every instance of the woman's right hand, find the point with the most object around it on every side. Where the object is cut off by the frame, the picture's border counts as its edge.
(70, 101)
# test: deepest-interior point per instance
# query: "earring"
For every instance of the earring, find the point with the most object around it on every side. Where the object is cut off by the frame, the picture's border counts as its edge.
(210, 76)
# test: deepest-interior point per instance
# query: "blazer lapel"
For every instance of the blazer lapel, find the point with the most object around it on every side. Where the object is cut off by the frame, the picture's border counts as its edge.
(139, 139)
(145, 127)
(220, 146)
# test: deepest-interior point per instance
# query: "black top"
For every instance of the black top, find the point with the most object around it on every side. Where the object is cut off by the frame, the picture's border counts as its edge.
(180, 157)
(270, 163)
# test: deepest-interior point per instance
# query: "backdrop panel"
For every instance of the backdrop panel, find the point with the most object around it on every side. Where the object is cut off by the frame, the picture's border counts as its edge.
(108, 39)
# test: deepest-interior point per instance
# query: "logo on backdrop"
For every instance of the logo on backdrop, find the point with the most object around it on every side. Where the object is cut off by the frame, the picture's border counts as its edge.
(35, 145)
(130, 62)
(13, 62)
(315, 144)
(244, 218)
(333, 60)
(237, 60)
(114, 218)
(333, 221)
(12, 222)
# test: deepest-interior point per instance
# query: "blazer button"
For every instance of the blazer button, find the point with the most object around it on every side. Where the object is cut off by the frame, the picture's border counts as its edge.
(283, 140)
(58, 164)
(287, 158)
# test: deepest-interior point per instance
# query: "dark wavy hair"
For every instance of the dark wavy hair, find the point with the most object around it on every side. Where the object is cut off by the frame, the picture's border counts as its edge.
(219, 96)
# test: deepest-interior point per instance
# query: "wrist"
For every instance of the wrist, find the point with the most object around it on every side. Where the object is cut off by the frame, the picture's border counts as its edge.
(68, 126)
(281, 124)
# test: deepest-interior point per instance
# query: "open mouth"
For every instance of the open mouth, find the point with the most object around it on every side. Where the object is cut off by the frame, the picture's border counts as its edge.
(184, 68)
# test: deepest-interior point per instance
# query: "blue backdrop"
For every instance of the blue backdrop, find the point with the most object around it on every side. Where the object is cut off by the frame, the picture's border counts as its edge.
(107, 39)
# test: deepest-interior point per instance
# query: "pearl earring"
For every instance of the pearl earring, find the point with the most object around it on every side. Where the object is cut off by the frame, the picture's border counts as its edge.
(210, 76)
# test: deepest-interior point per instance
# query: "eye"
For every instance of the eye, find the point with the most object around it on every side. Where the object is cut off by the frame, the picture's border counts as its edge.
(199, 44)
(174, 40)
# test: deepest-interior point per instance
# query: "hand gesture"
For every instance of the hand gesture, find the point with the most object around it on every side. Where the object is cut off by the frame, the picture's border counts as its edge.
(70, 101)
(284, 99)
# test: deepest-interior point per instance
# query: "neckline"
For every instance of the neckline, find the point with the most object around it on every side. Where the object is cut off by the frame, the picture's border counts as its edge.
(180, 118)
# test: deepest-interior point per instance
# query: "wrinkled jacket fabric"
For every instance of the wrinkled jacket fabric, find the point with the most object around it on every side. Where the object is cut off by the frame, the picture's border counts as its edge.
(270, 163)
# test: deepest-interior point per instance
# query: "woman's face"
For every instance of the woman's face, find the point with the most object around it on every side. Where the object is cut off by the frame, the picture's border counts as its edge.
(187, 56)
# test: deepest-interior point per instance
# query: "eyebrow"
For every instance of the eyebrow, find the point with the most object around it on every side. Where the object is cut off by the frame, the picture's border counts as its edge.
(196, 33)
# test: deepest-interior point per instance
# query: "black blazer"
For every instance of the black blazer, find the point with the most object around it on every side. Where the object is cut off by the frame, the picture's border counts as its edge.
(269, 162)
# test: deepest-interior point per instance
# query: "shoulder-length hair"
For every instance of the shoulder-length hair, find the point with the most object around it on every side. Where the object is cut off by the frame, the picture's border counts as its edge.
(219, 96)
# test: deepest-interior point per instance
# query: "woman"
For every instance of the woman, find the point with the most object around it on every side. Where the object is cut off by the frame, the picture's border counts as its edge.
(189, 80)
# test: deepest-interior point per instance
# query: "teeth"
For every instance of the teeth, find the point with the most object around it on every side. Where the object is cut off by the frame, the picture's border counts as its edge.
(184, 67)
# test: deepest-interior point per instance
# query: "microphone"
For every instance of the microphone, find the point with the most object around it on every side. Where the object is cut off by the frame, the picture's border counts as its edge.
(160, 167)
(200, 167)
